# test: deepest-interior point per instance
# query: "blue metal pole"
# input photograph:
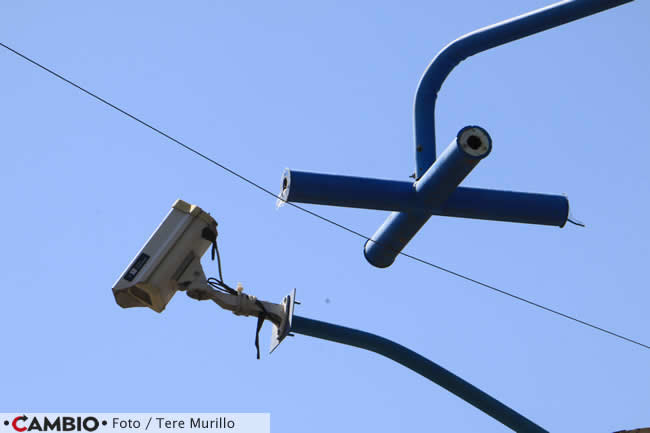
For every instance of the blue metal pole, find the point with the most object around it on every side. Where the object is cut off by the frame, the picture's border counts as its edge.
(434, 188)
(418, 364)
(348, 191)
(394, 195)
(392, 236)
(475, 42)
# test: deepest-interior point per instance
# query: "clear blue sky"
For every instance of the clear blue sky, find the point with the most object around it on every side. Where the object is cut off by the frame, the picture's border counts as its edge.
(327, 87)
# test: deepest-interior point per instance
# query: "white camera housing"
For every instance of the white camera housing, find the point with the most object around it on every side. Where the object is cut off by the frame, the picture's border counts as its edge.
(169, 261)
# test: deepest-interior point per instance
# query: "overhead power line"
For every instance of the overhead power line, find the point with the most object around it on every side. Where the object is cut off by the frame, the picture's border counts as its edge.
(341, 226)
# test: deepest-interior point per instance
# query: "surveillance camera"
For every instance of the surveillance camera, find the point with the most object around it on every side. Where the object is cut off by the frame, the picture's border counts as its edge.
(169, 261)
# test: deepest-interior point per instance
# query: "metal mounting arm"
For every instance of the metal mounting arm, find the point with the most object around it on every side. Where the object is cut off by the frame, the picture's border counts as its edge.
(243, 304)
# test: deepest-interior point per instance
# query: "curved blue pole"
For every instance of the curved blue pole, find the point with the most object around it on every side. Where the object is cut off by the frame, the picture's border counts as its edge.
(420, 365)
(475, 42)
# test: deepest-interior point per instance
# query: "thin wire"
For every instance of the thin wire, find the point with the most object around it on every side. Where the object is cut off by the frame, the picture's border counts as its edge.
(256, 185)
(576, 222)
(519, 298)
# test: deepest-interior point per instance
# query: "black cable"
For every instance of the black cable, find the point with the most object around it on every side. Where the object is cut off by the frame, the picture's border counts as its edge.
(221, 286)
(218, 288)
(216, 248)
(245, 179)
(260, 321)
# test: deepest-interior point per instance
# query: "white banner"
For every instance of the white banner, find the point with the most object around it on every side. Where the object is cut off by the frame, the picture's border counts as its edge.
(135, 422)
